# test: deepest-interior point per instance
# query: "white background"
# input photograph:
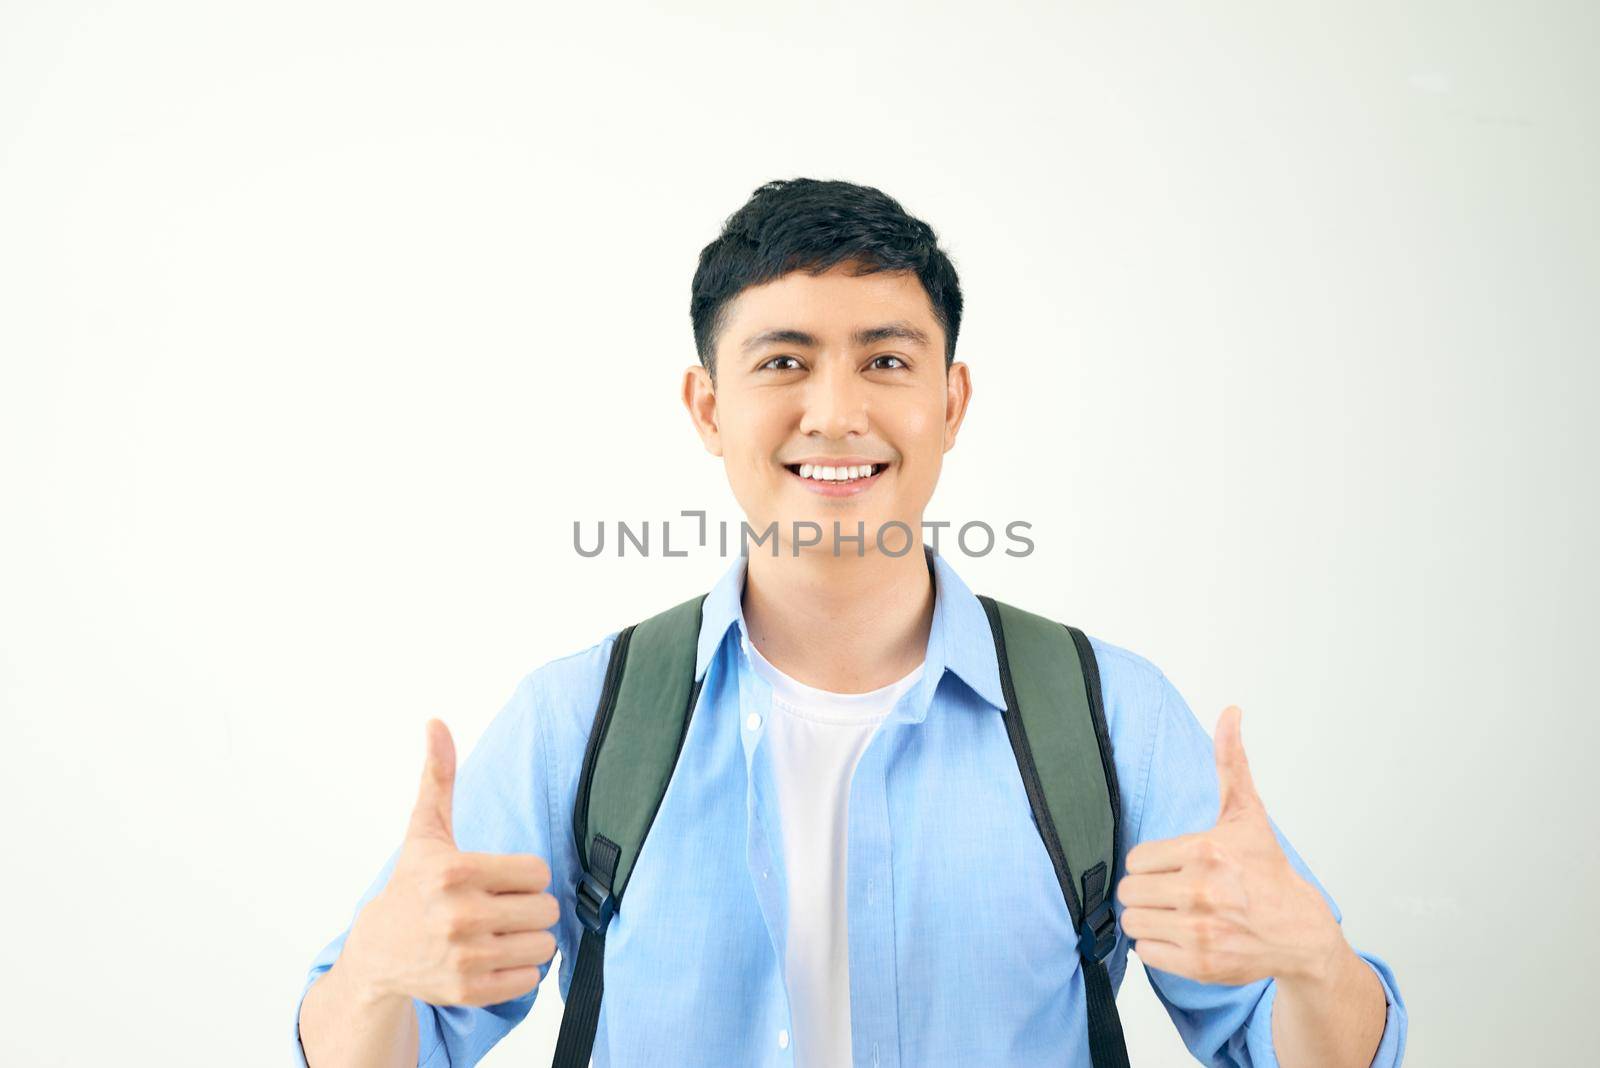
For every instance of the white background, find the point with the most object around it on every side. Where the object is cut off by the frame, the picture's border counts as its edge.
(322, 322)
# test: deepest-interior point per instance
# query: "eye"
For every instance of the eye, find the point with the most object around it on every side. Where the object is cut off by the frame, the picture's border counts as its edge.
(770, 362)
(902, 363)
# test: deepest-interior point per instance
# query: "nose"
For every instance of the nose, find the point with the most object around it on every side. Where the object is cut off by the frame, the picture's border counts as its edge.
(835, 404)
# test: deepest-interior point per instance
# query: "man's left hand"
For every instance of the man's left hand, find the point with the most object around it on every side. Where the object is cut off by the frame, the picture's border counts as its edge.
(1225, 905)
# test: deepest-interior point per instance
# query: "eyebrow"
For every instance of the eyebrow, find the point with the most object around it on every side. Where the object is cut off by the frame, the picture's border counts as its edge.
(899, 330)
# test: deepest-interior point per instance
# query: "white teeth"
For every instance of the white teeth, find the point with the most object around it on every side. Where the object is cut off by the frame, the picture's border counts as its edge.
(835, 474)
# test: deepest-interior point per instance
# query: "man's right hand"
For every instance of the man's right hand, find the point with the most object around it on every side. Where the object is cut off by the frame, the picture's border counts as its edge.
(452, 928)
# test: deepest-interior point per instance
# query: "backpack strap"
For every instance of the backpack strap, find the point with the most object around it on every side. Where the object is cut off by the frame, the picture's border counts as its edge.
(646, 701)
(1056, 722)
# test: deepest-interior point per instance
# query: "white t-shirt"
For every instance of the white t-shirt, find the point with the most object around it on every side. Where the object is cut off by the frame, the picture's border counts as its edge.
(816, 737)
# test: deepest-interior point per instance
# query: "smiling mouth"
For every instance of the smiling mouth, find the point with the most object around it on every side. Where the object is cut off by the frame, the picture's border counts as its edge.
(836, 476)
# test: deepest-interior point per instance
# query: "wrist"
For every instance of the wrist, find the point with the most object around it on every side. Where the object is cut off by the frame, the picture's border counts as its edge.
(1321, 955)
(363, 990)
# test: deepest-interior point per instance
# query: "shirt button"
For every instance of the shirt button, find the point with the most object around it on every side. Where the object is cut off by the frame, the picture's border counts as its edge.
(783, 1039)
(752, 721)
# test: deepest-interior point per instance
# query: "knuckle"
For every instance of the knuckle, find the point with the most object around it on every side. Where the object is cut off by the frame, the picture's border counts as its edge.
(541, 872)
(458, 924)
(455, 873)
(470, 959)
(440, 879)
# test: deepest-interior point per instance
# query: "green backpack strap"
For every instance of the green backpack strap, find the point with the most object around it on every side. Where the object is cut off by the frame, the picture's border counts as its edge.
(1056, 722)
(646, 700)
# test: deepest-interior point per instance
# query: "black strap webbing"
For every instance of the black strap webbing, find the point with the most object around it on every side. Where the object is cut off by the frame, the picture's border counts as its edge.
(1098, 933)
(581, 1015)
(1107, 1048)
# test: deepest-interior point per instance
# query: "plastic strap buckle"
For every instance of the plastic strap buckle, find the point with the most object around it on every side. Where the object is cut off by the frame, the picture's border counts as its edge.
(1098, 933)
(595, 904)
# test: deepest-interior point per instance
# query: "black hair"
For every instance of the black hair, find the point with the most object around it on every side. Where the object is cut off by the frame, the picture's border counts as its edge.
(812, 225)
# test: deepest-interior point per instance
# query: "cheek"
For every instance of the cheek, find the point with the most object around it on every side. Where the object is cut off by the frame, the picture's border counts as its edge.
(925, 420)
(747, 457)
(920, 435)
(752, 433)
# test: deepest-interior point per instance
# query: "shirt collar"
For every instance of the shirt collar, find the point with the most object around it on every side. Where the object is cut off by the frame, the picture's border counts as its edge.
(959, 639)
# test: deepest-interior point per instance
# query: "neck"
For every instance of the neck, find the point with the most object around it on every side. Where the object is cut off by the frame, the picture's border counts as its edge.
(843, 623)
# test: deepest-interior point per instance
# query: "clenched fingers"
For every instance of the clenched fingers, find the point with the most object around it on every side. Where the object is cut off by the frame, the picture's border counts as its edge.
(517, 950)
(509, 913)
(1172, 854)
(502, 914)
(1162, 925)
(507, 873)
(491, 988)
(1159, 890)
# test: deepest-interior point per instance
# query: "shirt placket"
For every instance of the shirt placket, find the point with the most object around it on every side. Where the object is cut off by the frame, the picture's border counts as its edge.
(874, 990)
(763, 848)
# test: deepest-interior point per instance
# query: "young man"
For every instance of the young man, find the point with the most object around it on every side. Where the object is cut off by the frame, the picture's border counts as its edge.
(844, 868)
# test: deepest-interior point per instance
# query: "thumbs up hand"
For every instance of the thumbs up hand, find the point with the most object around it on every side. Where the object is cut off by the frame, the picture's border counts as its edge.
(1225, 905)
(451, 927)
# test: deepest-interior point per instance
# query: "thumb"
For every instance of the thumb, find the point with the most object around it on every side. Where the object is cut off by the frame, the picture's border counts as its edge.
(1236, 788)
(431, 817)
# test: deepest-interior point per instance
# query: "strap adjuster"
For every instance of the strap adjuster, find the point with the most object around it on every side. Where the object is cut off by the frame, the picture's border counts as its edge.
(1098, 933)
(595, 904)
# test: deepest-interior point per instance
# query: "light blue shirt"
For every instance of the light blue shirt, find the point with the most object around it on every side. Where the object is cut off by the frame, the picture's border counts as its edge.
(962, 951)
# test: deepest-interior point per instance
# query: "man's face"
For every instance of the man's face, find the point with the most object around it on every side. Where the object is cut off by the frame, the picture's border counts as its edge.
(833, 370)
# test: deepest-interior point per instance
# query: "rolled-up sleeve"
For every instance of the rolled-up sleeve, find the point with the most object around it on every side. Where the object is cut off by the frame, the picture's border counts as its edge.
(500, 805)
(1225, 1025)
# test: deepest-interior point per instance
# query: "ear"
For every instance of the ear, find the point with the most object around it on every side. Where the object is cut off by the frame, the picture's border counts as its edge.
(957, 393)
(700, 397)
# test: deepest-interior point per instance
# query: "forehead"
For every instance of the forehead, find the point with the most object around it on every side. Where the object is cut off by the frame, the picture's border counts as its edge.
(832, 306)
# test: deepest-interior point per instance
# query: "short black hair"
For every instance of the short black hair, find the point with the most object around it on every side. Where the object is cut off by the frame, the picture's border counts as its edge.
(812, 225)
